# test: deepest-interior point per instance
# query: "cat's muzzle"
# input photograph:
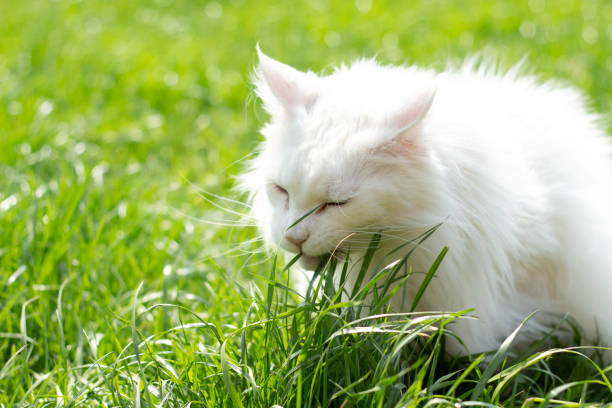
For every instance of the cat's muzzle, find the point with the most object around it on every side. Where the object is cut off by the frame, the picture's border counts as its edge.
(313, 263)
(310, 263)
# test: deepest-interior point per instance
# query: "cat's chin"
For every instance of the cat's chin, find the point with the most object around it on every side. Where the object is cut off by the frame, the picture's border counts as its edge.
(309, 263)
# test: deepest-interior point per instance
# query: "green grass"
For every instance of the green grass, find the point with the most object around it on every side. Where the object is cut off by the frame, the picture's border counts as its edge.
(116, 292)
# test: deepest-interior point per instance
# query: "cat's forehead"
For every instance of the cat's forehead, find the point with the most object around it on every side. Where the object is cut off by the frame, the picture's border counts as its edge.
(312, 163)
(325, 132)
(366, 91)
(312, 170)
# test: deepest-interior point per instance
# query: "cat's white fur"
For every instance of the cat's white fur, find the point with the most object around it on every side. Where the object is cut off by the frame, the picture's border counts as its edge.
(518, 172)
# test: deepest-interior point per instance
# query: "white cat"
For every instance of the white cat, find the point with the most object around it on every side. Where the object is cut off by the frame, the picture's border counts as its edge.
(517, 171)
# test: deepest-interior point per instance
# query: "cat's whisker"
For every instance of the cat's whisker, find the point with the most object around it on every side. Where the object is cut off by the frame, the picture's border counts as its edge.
(222, 223)
(250, 263)
(242, 248)
(226, 199)
(204, 192)
(204, 195)
(361, 245)
(384, 229)
(240, 160)
(257, 239)
(217, 222)
(225, 209)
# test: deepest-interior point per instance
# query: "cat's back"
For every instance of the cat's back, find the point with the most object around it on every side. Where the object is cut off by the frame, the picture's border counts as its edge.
(519, 121)
(532, 164)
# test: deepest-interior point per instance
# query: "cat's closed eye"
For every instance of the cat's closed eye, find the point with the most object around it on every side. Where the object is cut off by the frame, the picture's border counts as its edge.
(281, 189)
(278, 193)
(327, 205)
(322, 207)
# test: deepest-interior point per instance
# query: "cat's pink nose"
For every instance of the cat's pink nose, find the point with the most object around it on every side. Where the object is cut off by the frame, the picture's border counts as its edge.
(297, 241)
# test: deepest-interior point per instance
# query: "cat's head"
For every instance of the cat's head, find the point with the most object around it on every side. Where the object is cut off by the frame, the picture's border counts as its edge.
(348, 147)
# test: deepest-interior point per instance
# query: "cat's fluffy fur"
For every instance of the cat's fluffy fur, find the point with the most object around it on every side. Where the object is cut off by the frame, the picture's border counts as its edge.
(518, 172)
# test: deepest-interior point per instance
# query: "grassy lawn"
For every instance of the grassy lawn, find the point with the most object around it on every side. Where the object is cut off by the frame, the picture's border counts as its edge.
(124, 285)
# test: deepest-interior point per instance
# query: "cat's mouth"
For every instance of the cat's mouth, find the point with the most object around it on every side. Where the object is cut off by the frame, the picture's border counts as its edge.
(310, 263)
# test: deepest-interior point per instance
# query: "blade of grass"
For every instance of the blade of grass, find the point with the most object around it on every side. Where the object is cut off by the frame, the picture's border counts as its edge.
(227, 380)
(135, 343)
(428, 277)
(304, 216)
(496, 361)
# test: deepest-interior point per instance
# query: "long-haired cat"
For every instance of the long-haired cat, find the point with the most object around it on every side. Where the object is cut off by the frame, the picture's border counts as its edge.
(517, 172)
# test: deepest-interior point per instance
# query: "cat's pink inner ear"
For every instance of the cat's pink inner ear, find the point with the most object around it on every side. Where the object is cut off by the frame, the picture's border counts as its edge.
(288, 85)
(413, 110)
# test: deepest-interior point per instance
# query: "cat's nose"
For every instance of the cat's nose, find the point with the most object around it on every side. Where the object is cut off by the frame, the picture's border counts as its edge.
(297, 240)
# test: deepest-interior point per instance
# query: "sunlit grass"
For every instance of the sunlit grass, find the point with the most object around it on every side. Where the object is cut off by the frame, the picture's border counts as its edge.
(121, 285)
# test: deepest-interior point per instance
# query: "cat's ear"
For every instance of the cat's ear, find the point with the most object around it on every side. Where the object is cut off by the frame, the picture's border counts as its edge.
(403, 136)
(413, 109)
(287, 85)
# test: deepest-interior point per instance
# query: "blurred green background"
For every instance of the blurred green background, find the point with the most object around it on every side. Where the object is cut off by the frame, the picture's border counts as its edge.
(147, 95)
(113, 114)
(163, 85)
